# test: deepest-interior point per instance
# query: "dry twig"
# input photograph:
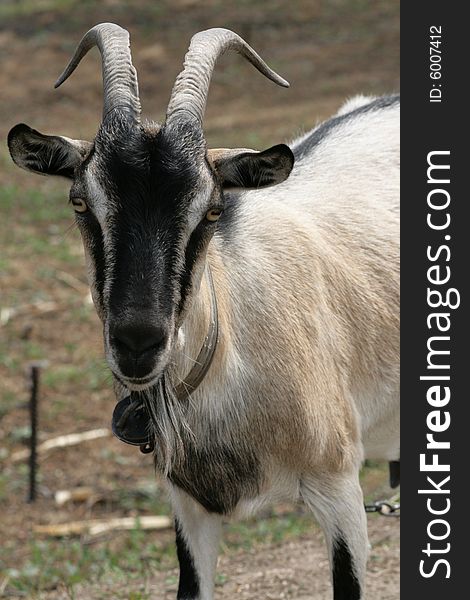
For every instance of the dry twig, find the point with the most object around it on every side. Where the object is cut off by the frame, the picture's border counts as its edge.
(62, 441)
(95, 527)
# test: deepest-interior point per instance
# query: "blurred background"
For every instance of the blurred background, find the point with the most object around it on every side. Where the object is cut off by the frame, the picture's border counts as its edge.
(328, 50)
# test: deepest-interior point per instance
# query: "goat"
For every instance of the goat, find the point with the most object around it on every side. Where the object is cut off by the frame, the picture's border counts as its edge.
(286, 276)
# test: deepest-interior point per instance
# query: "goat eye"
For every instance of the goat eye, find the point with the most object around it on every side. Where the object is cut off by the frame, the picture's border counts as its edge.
(79, 205)
(213, 214)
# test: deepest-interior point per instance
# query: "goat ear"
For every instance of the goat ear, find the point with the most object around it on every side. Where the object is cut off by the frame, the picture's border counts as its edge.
(46, 154)
(250, 169)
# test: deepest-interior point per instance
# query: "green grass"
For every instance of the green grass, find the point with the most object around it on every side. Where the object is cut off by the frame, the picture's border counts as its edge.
(4, 487)
(15, 363)
(245, 535)
(68, 562)
(127, 557)
(37, 243)
(43, 225)
(55, 377)
(47, 202)
(14, 482)
(28, 8)
(147, 499)
(7, 401)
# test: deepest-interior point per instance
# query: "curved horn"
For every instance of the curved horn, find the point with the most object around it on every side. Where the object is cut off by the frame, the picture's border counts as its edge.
(192, 84)
(120, 85)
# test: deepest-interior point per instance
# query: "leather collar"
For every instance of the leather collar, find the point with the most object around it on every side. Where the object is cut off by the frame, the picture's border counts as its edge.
(206, 354)
(131, 421)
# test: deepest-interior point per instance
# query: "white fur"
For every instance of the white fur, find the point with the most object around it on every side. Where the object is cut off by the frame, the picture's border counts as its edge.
(349, 182)
(201, 531)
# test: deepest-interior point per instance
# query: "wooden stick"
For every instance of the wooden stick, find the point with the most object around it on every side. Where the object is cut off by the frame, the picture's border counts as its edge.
(95, 527)
(37, 309)
(78, 494)
(72, 281)
(40, 307)
(70, 439)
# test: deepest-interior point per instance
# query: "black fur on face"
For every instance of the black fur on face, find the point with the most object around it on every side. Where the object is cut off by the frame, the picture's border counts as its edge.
(146, 231)
(150, 186)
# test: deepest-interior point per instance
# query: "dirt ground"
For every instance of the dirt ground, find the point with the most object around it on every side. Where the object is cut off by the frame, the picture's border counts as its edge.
(294, 570)
(329, 51)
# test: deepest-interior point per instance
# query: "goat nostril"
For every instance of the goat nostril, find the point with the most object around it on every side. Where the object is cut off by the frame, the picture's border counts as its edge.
(154, 347)
(120, 345)
(137, 339)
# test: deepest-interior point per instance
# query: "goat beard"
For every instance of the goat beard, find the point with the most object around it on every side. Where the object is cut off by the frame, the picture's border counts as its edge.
(168, 423)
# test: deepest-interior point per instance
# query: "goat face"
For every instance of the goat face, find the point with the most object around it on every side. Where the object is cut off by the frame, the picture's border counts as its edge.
(147, 200)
